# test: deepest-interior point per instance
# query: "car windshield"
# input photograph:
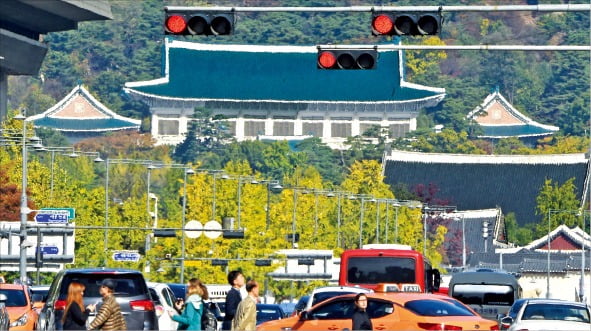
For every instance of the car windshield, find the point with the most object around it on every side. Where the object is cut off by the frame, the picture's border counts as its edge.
(372, 270)
(561, 312)
(127, 284)
(489, 294)
(268, 314)
(14, 297)
(322, 296)
(155, 296)
(436, 308)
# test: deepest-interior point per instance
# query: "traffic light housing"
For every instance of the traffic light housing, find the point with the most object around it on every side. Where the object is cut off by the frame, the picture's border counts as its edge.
(38, 258)
(189, 23)
(347, 58)
(406, 24)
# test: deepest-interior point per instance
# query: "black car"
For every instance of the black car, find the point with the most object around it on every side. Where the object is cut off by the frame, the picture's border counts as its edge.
(131, 292)
(269, 312)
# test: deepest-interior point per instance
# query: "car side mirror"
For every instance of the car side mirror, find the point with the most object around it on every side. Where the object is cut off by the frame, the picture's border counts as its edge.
(304, 315)
(506, 322)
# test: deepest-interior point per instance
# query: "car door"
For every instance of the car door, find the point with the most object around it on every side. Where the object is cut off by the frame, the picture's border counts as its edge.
(169, 298)
(332, 315)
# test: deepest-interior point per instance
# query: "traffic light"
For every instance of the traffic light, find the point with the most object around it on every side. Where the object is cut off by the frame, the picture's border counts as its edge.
(38, 258)
(187, 23)
(347, 58)
(164, 233)
(406, 24)
(263, 263)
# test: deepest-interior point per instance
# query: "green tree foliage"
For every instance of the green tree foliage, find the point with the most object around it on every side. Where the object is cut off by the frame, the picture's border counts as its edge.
(207, 134)
(557, 204)
(448, 141)
(518, 235)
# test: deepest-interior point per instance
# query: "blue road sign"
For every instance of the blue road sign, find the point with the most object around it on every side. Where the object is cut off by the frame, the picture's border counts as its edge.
(52, 216)
(131, 256)
(71, 212)
(52, 250)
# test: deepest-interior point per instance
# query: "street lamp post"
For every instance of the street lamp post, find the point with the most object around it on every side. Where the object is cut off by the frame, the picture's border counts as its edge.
(24, 207)
(72, 154)
(188, 171)
(396, 206)
(582, 283)
(293, 220)
(425, 212)
(273, 186)
(548, 248)
(150, 165)
(377, 240)
(548, 244)
(339, 220)
(463, 238)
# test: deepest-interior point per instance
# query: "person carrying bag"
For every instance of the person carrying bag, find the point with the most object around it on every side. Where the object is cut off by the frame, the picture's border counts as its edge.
(192, 309)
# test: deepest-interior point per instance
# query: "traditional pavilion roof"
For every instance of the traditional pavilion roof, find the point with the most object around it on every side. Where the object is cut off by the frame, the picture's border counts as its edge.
(562, 238)
(565, 253)
(511, 182)
(499, 119)
(79, 111)
(284, 74)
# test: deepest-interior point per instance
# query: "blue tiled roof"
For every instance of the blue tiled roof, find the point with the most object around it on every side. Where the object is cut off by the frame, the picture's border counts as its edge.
(84, 125)
(243, 72)
(514, 131)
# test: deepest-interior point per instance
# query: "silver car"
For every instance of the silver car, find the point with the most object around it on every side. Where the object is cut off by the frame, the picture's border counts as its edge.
(164, 300)
(549, 314)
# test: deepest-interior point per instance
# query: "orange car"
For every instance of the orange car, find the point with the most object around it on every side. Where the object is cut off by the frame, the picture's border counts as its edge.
(388, 311)
(19, 306)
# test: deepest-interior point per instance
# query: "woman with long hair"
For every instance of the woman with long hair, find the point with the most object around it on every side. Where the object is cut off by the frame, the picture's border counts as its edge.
(192, 309)
(75, 315)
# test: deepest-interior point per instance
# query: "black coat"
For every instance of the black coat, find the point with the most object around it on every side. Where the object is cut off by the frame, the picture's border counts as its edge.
(233, 298)
(76, 318)
(361, 320)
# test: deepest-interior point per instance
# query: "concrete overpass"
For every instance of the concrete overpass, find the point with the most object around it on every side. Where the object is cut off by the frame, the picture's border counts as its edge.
(22, 22)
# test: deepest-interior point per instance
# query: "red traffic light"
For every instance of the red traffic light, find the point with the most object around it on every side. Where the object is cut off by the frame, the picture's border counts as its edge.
(413, 24)
(347, 59)
(191, 23)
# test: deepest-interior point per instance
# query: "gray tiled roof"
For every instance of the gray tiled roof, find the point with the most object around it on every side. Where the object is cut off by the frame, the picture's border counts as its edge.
(530, 261)
(486, 181)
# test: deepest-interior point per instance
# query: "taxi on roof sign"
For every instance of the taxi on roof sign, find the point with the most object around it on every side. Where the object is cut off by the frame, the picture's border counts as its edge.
(404, 287)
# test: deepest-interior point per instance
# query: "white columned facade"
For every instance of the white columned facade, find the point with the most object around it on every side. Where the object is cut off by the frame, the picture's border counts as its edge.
(239, 127)
(355, 126)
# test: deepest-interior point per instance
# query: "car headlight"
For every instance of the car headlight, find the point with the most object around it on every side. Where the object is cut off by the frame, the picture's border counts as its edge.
(20, 321)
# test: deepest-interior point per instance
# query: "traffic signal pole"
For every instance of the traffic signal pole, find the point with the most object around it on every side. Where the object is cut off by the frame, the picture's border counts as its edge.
(465, 47)
(542, 8)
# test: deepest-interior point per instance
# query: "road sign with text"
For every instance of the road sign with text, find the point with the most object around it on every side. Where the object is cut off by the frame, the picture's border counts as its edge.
(50, 250)
(71, 212)
(130, 256)
(52, 216)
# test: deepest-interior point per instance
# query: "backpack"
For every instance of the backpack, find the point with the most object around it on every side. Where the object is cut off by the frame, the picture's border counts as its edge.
(208, 320)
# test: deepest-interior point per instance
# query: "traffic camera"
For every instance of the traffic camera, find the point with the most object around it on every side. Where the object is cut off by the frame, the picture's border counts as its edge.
(405, 24)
